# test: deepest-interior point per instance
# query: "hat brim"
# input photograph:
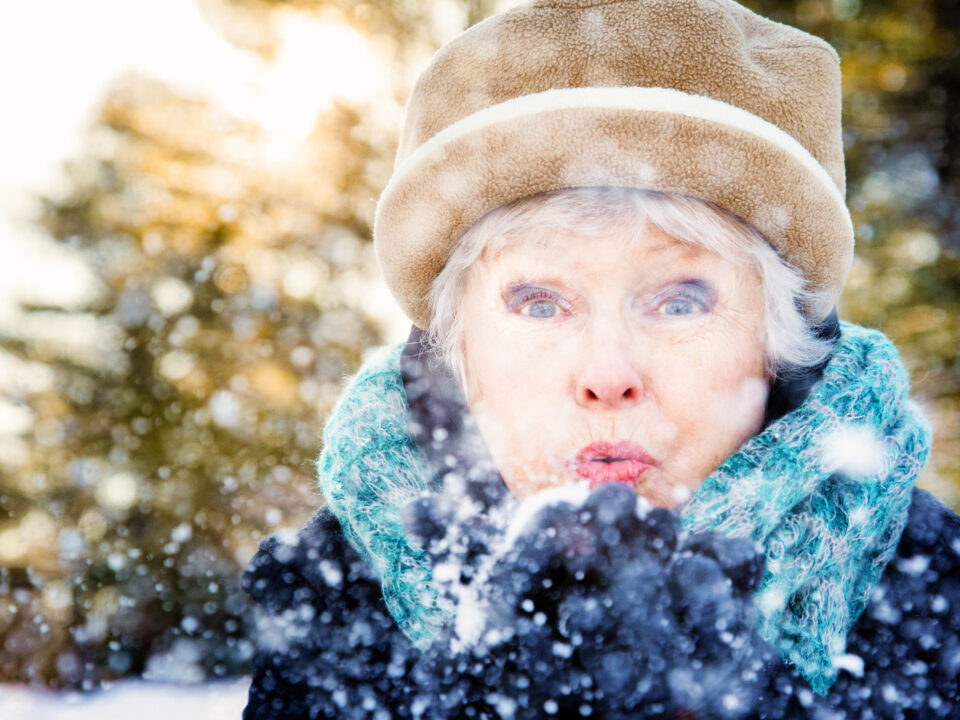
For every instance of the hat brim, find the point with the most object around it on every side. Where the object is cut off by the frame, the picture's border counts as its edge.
(647, 138)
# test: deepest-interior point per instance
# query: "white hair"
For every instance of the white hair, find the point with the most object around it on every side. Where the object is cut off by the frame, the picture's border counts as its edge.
(790, 342)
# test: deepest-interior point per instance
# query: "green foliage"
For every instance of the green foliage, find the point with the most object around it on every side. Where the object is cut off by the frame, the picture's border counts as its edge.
(225, 332)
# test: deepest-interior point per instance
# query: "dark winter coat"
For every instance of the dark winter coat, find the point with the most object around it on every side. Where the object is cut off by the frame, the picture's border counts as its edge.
(328, 647)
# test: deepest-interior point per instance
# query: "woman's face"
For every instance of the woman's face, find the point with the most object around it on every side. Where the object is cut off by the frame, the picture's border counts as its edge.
(613, 361)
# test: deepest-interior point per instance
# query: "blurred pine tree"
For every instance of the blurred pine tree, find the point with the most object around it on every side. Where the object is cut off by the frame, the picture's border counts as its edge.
(186, 412)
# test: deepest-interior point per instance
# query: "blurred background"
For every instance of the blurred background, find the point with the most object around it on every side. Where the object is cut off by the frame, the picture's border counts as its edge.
(186, 276)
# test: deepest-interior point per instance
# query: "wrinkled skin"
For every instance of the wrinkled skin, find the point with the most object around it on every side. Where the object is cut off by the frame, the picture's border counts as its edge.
(626, 336)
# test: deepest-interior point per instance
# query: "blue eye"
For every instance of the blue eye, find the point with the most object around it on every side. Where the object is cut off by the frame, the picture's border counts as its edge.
(678, 306)
(693, 297)
(540, 309)
(534, 302)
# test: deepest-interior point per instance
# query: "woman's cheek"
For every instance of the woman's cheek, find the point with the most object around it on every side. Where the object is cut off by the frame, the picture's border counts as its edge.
(518, 430)
(731, 401)
(706, 400)
(729, 414)
(506, 444)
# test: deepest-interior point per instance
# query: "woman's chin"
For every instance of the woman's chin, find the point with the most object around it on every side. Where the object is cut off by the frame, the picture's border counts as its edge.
(654, 486)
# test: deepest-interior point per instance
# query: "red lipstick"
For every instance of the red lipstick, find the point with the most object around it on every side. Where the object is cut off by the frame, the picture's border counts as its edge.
(603, 462)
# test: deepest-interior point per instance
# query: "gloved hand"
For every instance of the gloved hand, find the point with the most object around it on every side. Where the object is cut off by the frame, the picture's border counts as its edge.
(458, 527)
(600, 610)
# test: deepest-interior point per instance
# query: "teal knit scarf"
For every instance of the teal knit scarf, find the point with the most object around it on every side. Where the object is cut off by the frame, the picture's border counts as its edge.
(824, 491)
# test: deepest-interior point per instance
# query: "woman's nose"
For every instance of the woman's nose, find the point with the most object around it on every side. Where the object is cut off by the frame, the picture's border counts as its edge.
(609, 380)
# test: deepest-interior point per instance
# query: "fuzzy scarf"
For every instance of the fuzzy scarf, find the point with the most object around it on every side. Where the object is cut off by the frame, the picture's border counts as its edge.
(824, 491)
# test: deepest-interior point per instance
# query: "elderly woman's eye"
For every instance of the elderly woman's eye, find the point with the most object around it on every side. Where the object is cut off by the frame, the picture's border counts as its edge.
(534, 302)
(679, 306)
(691, 298)
(541, 309)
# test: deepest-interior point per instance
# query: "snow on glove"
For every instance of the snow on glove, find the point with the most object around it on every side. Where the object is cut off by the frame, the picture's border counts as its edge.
(458, 528)
(604, 610)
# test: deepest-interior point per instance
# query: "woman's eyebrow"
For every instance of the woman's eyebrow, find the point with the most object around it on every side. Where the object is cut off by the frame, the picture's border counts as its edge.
(522, 282)
(697, 282)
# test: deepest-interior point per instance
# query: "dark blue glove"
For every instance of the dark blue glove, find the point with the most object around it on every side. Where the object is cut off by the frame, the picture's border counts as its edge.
(602, 610)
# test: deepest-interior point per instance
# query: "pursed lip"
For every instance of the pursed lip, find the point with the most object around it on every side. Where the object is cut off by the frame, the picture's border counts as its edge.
(604, 462)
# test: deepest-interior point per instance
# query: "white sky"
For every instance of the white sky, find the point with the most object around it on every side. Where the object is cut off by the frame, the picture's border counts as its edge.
(58, 59)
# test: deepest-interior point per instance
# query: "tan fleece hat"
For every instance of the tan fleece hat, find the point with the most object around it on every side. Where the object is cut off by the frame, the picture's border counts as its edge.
(699, 97)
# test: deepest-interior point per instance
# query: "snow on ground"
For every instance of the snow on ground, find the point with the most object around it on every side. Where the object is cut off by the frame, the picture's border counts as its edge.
(150, 701)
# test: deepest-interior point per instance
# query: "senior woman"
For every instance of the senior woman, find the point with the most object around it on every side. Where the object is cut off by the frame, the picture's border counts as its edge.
(620, 226)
